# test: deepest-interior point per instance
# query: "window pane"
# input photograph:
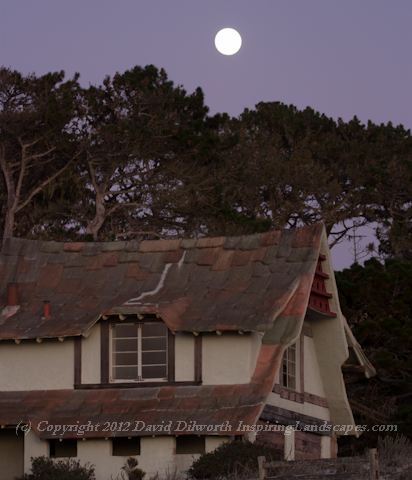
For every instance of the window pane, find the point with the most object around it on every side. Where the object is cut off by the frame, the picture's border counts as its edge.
(158, 343)
(154, 372)
(154, 358)
(190, 444)
(126, 447)
(125, 345)
(158, 329)
(125, 359)
(125, 373)
(125, 330)
(65, 448)
(127, 339)
(289, 368)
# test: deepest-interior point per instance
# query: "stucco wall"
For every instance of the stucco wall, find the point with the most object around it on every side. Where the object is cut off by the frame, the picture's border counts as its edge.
(184, 357)
(157, 455)
(229, 358)
(312, 381)
(11, 454)
(312, 377)
(326, 447)
(33, 447)
(36, 366)
(213, 442)
(91, 356)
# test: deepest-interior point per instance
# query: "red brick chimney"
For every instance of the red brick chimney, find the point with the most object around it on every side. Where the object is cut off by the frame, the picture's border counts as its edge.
(46, 309)
(12, 295)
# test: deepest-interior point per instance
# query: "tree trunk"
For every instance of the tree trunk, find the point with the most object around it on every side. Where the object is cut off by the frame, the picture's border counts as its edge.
(8, 224)
(94, 226)
(10, 217)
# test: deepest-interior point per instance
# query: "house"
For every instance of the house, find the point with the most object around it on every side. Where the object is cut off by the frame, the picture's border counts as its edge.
(164, 349)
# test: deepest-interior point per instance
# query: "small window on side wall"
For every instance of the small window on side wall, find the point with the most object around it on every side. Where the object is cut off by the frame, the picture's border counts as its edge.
(125, 447)
(190, 444)
(62, 449)
(289, 368)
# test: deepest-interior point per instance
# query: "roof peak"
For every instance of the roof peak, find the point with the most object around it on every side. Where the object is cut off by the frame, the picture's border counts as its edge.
(246, 242)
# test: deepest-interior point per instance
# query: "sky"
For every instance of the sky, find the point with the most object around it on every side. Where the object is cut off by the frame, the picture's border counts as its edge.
(341, 57)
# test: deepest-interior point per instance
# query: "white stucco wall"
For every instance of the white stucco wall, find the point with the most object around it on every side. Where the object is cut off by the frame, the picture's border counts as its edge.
(213, 442)
(99, 454)
(157, 455)
(33, 447)
(36, 366)
(11, 454)
(184, 357)
(312, 383)
(91, 356)
(229, 358)
(312, 377)
(326, 447)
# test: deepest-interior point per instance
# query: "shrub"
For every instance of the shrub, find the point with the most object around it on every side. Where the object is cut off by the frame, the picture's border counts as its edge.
(234, 458)
(43, 468)
(131, 470)
(394, 451)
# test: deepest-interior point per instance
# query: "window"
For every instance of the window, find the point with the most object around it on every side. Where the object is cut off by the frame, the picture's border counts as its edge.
(190, 444)
(62, 448)
(139, 351)
(125, 447)
(288, 374)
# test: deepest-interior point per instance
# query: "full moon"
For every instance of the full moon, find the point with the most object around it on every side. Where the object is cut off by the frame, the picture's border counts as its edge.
(228, 41)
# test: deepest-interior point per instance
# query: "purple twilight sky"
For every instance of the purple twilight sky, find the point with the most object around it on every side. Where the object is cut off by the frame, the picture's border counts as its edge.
(342, 58)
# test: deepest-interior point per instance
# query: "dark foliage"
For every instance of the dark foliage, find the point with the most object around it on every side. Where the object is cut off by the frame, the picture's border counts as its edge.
(229, 459)
(137, 155)
(377, 301)
(43, 468)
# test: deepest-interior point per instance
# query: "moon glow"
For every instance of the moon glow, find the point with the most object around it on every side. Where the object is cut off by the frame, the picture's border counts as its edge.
(228, 41)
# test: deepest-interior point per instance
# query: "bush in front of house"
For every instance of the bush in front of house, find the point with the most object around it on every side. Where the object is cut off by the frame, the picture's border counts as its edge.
(231, 459)
(131, 471)
(43, 468)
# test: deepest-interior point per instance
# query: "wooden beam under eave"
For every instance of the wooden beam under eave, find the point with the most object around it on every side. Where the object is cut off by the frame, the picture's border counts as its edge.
(198, 358)
(77, 360)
